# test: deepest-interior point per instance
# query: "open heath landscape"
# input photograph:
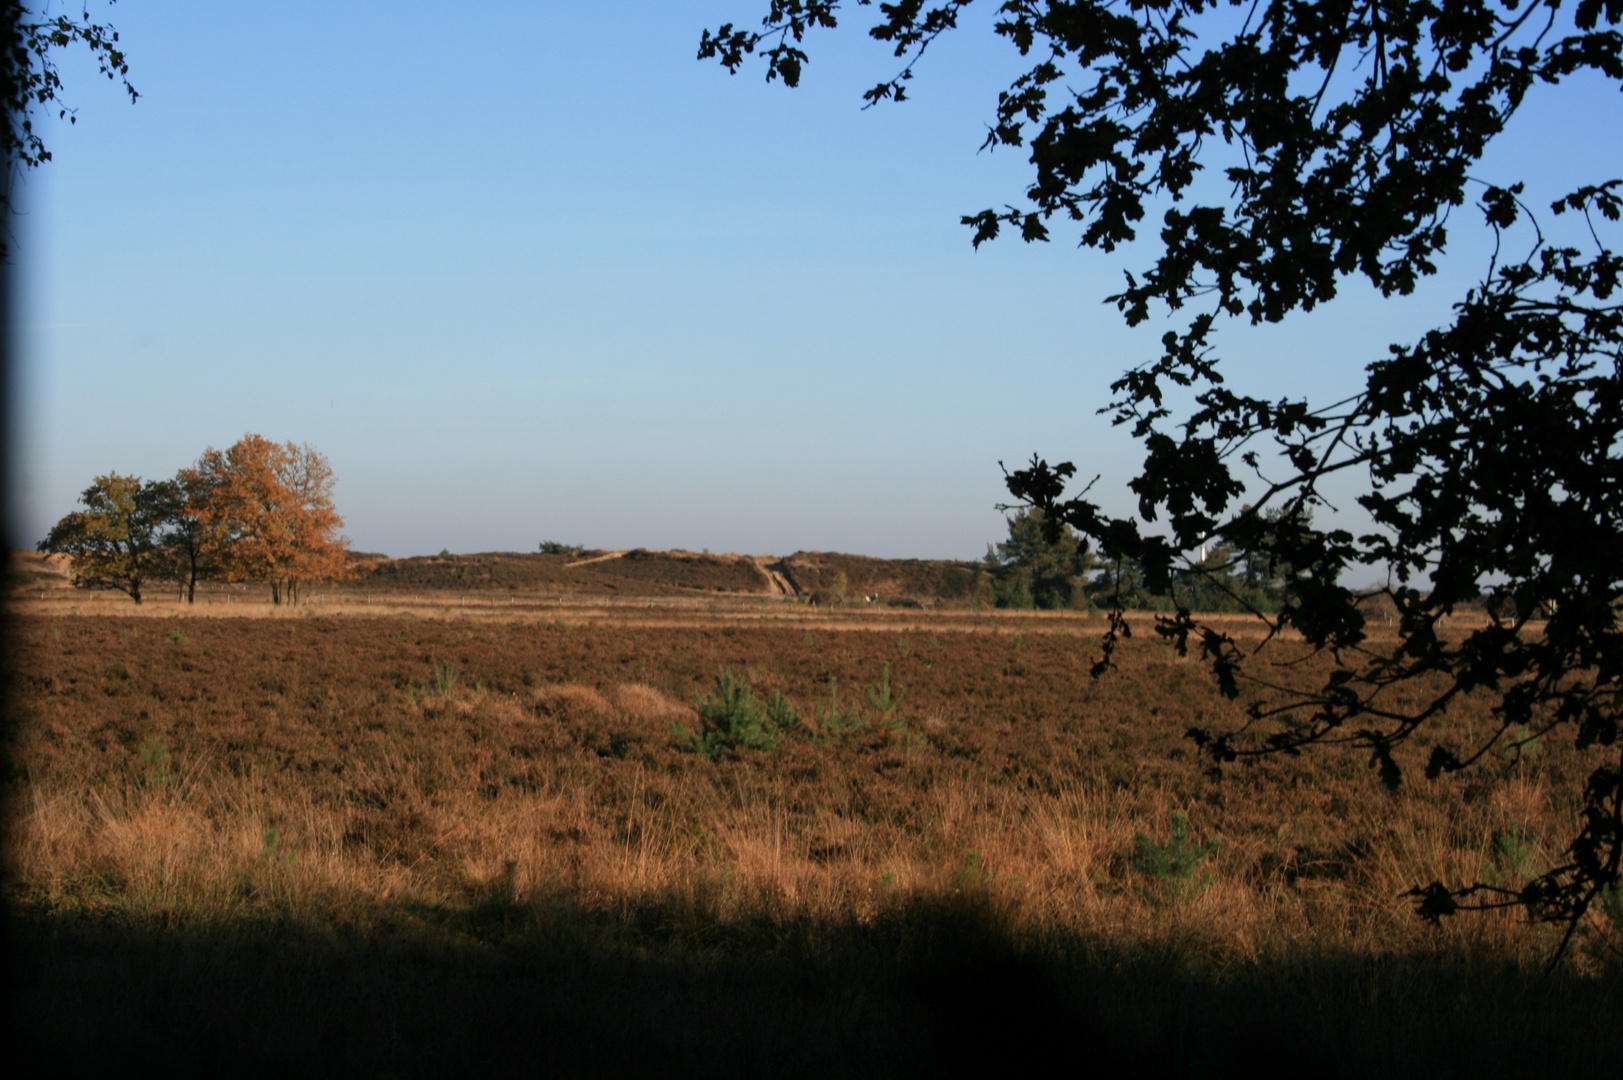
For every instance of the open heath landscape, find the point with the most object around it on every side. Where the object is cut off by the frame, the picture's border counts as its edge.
(1226, 398)
(404, 834)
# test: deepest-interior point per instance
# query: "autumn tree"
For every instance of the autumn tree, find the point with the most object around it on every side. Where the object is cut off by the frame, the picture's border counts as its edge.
(118, 540)
(264, 512)
(1286, 149)
(192, 555)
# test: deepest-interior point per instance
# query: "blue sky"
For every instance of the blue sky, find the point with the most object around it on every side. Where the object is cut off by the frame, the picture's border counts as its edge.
(533, 272)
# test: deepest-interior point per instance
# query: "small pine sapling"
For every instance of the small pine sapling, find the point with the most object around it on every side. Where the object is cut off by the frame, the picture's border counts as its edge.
(732, 719)
(1175, 863)
(840, 721)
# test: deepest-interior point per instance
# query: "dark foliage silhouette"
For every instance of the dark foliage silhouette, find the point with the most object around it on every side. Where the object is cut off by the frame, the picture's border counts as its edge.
(1290, 147)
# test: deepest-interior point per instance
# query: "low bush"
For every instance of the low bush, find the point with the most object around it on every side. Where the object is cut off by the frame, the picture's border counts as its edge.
(839, 721)
(732, 719)
(1174, 865)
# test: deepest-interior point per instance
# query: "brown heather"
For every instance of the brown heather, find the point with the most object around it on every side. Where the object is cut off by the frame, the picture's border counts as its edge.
(286, 832)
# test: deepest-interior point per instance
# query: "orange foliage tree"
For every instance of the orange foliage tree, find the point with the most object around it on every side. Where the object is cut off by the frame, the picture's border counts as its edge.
(264, 511)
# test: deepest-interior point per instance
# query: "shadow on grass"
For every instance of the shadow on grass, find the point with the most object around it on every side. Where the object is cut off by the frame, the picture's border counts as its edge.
(927, 989)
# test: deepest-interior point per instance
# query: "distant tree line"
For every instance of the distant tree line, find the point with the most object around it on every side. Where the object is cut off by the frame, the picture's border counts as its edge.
(1029, 571)
(258, 511)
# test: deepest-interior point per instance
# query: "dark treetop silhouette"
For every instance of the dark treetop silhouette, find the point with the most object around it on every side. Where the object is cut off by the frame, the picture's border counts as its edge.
(29, 81)
(1488, 449)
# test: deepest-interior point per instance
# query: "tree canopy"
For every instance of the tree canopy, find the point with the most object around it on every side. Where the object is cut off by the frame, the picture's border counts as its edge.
(1219, 579)
(1031, 570)
(267, 513)
(118, 540)
(256, 511)
(1290, 146)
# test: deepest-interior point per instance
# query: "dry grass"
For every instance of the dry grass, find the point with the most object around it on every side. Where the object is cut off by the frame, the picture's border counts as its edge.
(730, 841)
(300, 785)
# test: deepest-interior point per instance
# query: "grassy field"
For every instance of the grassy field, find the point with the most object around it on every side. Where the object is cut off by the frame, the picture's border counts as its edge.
(407, 845)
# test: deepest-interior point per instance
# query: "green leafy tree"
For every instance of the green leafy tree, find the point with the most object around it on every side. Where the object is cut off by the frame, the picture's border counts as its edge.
(118, 540)
(1031, 570)
(1215, 583)
(1288, 147)
(1220, 579)
(1120, 585)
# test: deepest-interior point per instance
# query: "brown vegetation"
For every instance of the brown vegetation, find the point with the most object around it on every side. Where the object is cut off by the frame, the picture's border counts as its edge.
(619, 575)
(633, 573)
(425, 806)
(672, 573)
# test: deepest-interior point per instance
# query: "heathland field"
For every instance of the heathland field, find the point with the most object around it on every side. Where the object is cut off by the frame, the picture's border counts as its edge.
(407, 845)
(521, 581)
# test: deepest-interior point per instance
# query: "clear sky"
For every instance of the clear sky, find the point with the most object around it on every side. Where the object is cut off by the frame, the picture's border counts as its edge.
(528, 270)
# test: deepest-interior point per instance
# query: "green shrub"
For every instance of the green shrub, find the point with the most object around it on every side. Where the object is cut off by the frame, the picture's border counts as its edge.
(1013, 592)
(1515, 851)
(732, 719)
(1174, 864)
(1523, 745)
(839, 721)
(782, 712)
(883, 698)
(273, 853)
(155, 757)
(552, 547)
(973, 875)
